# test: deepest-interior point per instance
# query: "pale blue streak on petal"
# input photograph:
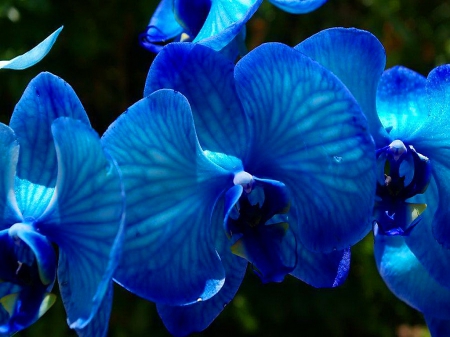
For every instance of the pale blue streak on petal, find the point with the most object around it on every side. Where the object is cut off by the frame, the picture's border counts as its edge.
(171, 188)
(205, 78)
(312, 136)
(298, 6)
(46, 98)
(402, 103)
(184, 320)
(33, 56)
(407, 278)
(162, 27)
(98, 327)
(225, 20)
(84, 218)
(8, 161)
(358, 59)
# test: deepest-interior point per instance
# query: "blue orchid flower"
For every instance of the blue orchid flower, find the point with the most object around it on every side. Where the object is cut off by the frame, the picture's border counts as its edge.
(213, 23)
(58, 187)
(33, 56)
(402, 106)
(269, 162)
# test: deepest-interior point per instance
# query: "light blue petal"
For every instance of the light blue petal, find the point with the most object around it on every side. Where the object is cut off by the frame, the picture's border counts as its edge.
(407, 278)
(98, 327)
(224, 22)
(295, 105)
(205, 78)
(8, 161)
(46, 98)
(84, 218)
(33, 56)
(184, 320)
(358, 59)
(402, 103)
(438, 327)
(171, 188)
(298, 6)
(161, 28)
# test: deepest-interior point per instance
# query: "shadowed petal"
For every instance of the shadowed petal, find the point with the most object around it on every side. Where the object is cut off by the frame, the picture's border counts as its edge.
(438, 327)
(295, 105)
(407, 278)
(46, 98)
(224, 22)
(183, 320)
(402, 103)
(358, 59)
(171, 190)
(191, 14)
(85, 219)
(298, 6)
(162, 27)
(8, 160)
(205, 78)
(34, 55)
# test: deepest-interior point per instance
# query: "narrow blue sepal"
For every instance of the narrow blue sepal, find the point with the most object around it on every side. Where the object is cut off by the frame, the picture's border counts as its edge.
(298, 6)
(358, 59)
(205, 78)
(85, 218)
(184, 320)
(162, 27)
(408, 279)
(171, 190)
(46, 98)
(33, 56)
(8, 162)
(329, 171)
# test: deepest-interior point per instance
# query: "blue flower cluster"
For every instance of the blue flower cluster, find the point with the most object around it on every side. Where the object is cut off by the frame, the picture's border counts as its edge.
(281, 161)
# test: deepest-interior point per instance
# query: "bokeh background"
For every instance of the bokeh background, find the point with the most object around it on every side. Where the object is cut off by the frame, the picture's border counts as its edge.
(99, 55)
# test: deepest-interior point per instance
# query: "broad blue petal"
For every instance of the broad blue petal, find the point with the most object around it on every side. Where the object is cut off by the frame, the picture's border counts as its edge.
(438, 327)
(433, 141)
(407, 278)
(84, 218)
(402, 103)
(33, 56)
(98, 327)
(171, 188)
(162, 27)
(9, 154)
(191, 14)
(46, 98)
(224, 22)
(358, 59)
(183, 320)
(294, 105)
(205, 78)
(298, 6)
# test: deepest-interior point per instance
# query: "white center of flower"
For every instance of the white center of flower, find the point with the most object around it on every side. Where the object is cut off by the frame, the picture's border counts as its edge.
(397, 148)
(245, 179)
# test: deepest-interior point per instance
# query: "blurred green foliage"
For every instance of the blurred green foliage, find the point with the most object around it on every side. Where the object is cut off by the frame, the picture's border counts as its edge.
(98, 54)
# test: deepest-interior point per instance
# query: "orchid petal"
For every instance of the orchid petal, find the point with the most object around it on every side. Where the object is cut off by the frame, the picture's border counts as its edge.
(183, 320)
(205, 78)
(191, 14)
(85, 219)
(162, 27)
(295, 105)
(407, 278)
(298, 6)
(224, 22)
(33, 56)
(46, 98)
(358, 59)
(402, 103)
(9, 210)
(171, 189)
(438, 327)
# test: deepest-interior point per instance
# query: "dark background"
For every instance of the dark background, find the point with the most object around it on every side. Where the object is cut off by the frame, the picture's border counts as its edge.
(99, 55)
